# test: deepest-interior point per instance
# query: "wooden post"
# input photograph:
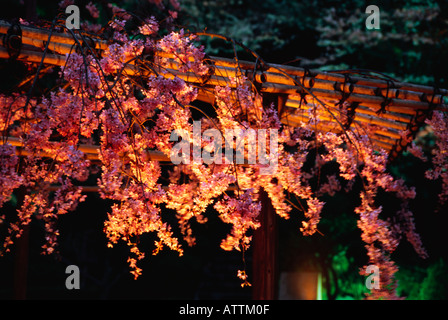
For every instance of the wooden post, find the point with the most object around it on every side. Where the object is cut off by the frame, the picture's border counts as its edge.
(264, 260)
(265, 276)
(21, 265)
(20, 276)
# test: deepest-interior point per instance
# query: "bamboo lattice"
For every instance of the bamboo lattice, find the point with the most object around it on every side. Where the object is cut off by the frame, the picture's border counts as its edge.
(398, 109)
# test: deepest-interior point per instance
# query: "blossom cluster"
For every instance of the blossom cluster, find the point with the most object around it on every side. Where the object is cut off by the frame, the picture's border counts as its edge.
(439, 124)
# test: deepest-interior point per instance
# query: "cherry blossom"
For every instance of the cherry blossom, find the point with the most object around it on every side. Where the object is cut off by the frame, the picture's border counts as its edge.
(150, 27)
(440, 160)
(93, 10)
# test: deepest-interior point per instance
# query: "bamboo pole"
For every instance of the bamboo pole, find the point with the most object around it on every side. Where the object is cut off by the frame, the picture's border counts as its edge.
(369, 120)
(91, 151)
(300, 118)
(60, 48)
(365, 99)
(294, 102)
(88, 189)
(43, 34)
(35, 57)
(360, 109)
(323, 75)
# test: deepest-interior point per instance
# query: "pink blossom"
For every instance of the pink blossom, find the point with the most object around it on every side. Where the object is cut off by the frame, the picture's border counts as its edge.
(185, 53)
(93, 10)
(9, 179)
(242, 213)
(439, 125)
(150, 27)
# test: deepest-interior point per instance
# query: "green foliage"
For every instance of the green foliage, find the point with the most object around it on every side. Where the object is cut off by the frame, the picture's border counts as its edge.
(435, 284)
(431, 283)
(411, 44)
(274, 29)
(350, 283)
